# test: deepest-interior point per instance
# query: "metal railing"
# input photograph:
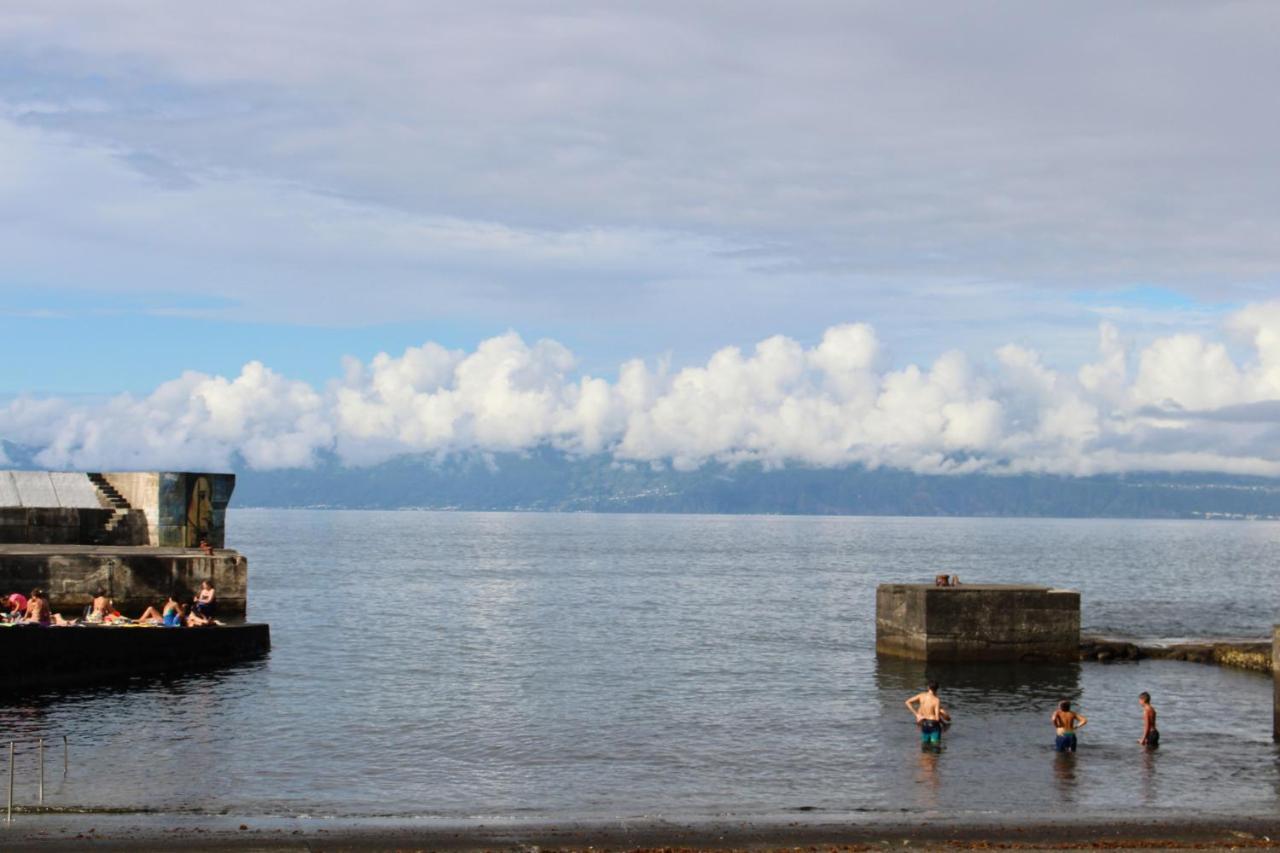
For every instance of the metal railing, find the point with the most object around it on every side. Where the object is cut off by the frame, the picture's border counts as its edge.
(66, 766)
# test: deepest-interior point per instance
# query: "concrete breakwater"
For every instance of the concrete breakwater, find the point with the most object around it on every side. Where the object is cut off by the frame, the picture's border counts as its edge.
(32, 656)
(1255, 655)
(977, 622)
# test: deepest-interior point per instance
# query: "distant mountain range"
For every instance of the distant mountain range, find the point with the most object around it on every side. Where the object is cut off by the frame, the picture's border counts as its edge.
(549, 481)
(545, 480)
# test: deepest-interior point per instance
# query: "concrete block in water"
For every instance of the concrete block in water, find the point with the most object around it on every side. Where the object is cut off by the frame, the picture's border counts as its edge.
(977, 622)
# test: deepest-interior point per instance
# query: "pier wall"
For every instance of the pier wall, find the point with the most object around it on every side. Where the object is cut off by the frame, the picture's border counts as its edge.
(977, 622)
(31, 656)
(70, 526)
(133, 577)
(181, 507)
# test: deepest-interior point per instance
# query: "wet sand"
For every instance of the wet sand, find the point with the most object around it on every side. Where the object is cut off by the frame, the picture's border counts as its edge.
(152, 832)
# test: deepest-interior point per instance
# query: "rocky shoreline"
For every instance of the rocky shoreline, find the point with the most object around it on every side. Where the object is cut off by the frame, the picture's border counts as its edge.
(1254, 655)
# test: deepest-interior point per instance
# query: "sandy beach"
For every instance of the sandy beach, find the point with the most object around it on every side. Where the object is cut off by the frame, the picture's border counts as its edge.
(133, 832)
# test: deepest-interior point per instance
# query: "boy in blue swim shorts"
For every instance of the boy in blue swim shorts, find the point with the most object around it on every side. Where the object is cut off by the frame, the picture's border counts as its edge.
(931, 717)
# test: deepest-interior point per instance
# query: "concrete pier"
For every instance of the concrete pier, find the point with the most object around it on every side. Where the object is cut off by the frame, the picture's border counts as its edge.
(36, 657)
(977, 622)
(133, 577)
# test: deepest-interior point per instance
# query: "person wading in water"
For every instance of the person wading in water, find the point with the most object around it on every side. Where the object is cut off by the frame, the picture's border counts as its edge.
(930, 716)
(1150, 734)
(1065, 723)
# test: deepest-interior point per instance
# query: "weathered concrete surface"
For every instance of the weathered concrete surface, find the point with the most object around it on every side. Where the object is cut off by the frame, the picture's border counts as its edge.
(71, 526)
(1275, 677)
(157, 508)
(1254, 655)
(977, 622)
(134, 577)
(33, 656)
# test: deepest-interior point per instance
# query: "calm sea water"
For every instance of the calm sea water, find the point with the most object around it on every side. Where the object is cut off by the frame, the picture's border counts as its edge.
(460, 665)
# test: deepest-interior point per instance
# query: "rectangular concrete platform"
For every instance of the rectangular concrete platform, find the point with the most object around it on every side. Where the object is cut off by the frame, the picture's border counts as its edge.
(133, 576)
(977, 622)
(32, 656)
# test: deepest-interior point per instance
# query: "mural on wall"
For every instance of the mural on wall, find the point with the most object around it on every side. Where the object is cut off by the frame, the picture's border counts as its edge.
(199, 511)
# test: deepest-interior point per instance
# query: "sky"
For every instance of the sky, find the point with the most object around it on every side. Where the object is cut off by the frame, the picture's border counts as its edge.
(980, 236)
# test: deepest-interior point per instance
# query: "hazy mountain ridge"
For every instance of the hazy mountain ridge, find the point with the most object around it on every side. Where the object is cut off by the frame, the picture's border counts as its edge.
(546, 480)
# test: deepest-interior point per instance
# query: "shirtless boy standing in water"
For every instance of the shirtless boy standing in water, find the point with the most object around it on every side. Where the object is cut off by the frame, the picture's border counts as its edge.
(930, 715)
(1150, 734)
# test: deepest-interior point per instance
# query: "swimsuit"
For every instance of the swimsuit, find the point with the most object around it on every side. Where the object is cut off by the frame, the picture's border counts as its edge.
(172, 619)
(1065, 742)
(930, 732)
(1153, 739)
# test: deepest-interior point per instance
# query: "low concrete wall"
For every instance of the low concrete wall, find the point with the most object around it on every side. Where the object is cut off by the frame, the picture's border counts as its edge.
(31, 656)
(977, 622)
(133, 577)
(70, 526)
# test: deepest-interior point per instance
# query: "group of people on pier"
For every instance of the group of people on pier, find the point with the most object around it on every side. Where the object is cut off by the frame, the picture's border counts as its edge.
(35, 610)
(932, 719)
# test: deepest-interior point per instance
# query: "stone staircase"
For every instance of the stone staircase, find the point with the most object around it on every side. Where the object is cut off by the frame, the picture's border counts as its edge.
(112, 500)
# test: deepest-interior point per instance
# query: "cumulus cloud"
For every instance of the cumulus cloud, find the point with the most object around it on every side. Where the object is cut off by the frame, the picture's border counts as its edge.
(1179, 403)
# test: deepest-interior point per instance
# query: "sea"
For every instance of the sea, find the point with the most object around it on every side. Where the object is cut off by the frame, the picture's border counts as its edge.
(473, 667)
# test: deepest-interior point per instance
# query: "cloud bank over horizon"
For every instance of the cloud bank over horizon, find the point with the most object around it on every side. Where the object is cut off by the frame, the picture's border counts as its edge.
(1183, 402)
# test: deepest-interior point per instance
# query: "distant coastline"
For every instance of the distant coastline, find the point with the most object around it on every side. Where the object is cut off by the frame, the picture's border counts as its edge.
(549, 481)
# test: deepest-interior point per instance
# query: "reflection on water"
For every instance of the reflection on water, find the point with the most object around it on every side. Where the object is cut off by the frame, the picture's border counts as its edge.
(989, 682)
(576, 665)
(1064, 776)
(928, 781)
(1150, 788)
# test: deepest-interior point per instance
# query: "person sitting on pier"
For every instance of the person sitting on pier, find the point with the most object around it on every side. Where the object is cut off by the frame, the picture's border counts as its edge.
(206, 602)
(39, 612)
(170, 617)
(17, 603)
(100, 610)
(1066, 723)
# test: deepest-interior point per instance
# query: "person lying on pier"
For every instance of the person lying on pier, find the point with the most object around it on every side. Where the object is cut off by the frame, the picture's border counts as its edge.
(195, 619)
(206, 602)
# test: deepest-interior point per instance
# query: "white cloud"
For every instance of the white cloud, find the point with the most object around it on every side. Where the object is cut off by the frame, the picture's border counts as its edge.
(1189, 406)
(457, 159)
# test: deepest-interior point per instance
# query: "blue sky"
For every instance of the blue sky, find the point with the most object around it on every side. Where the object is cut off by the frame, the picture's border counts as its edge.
(194, 188)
